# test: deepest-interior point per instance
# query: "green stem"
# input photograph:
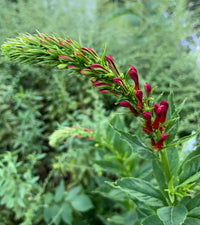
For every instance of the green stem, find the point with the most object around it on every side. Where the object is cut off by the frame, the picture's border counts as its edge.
(165, 164)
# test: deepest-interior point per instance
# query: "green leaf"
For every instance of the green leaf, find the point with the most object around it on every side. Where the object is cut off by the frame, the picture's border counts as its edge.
(109, 192)
(173, 160)
(172, 215)
(130, 217)
(47, 214)
(67, 213)
(172, 131)
(190, 171)
(171, 108)
(137, 146)
(152, 220)
(178, 109)
(194, 202)
(60, 190)
(141, 190)
(111, 166)
(73, 193)
(159, 175)
(191, 155)
(195, 213)
(56, 214)
(187, 138)
(113, 137)
(48, 198)
(82, 203)
(191, 221)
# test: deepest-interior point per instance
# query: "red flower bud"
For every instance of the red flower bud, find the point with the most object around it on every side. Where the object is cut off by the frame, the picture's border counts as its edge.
(89, 51)
(61, 43)
(96, 66)
(104, 91)
(165, 108)
(158, 111)
(139, 95)
(148, 128)
(112, 65)
(134, 75)
(128, 105)
(147, 116)
(86, 71)
(98, 83)
(159, 144)
(147, 88)
(71, 66)
(68, 41)
(64, 57)
(117, 80)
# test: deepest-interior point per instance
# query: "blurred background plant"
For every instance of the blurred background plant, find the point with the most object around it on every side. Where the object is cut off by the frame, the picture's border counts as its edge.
(160, 38)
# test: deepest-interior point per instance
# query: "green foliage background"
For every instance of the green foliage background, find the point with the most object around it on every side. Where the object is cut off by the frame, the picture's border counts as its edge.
(35, 178)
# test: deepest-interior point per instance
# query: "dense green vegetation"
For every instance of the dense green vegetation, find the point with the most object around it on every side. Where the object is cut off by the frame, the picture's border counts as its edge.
(39, 182)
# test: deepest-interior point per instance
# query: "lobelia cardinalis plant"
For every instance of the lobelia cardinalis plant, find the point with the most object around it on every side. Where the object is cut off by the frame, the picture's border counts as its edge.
(172, 196)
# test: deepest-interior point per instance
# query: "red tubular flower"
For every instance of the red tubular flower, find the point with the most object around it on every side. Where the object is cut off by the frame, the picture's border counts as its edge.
(98, 84)
(139, 95)
(147, 88)
(165, 108)
(159, 144)
(134, 75)
(112, 65)
(128, 105)
(148, 128)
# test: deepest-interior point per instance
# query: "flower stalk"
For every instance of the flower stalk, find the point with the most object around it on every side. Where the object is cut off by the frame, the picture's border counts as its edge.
(51, 50)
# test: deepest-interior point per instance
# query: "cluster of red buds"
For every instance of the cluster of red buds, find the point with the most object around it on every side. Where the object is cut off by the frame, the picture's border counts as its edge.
(68, 54)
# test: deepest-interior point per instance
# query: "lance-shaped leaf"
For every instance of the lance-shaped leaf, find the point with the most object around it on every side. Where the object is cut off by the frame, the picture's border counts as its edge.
(172, 215)
(141, 190)
(137, 146)
(190, 171)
